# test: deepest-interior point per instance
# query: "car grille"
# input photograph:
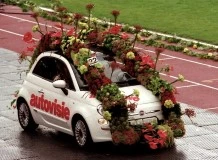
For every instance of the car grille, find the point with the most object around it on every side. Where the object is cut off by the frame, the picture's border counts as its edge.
(138, 118)
(141, 121)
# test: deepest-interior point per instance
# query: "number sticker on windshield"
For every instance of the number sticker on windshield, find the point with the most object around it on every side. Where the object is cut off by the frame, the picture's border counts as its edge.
(92, 61)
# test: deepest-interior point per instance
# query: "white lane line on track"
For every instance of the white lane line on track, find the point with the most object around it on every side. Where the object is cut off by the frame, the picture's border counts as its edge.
(213, 108)
(187, 86)
(210, 80)
(163, 59)
(195, 83)
(17, 34)
(208, 65)
(21, 19)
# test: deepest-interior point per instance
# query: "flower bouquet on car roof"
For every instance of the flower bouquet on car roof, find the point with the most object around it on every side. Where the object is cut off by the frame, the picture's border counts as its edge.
(75, 44)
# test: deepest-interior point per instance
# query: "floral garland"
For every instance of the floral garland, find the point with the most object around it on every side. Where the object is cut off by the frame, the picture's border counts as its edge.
(75, 44)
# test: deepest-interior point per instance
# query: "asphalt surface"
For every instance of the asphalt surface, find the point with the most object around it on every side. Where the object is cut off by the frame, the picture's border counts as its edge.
(199, 143)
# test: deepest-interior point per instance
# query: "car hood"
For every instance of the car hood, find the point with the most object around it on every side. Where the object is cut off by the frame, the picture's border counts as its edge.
(145, 96)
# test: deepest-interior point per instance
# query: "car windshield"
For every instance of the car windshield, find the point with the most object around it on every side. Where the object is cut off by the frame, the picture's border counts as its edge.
(121, 78)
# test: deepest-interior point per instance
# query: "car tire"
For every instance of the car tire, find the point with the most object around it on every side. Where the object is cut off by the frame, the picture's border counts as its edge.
(81, 133)
(25, 118)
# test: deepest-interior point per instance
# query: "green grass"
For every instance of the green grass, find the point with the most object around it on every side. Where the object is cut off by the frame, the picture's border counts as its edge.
(196, 19)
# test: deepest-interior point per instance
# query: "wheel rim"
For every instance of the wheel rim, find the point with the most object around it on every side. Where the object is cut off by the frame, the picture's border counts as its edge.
(80, 133)
(23, 113)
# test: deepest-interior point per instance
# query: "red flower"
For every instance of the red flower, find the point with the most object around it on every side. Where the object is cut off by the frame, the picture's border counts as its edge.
(162, 134)
(105, 81)
(28, 37)
(147, 137)
(153, 145)
(92, 36)
(124, 36)
(70, 32)
(148, 126)
(115, 29)
(56, 34)
(156, 140)
(61, 9)
(161, 142)
(115, 13)
(168, 95)
(77, 16)
(146, 60)
(89, 7)
(138, 28)
(30, 49)
(56, 42)
(190, 112)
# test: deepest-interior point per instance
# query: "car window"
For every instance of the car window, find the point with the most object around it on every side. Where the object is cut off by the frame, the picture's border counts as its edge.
(64, 74)
(81, 82)
(117, 76)
(52, 69)
(46, 68)
(122, 79)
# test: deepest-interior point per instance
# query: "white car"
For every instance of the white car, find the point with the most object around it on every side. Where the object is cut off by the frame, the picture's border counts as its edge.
(66, 104)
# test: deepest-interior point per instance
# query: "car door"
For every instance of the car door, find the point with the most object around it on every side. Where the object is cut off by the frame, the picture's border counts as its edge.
(51, 104)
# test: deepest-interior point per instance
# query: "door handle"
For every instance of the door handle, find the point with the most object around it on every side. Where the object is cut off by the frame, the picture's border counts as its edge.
(41, 91)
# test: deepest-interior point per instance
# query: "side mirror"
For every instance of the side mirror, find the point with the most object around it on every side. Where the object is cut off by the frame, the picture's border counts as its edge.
(62, 85)
(59, 84)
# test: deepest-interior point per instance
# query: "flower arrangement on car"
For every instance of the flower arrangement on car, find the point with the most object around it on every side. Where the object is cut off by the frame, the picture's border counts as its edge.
(79, 43)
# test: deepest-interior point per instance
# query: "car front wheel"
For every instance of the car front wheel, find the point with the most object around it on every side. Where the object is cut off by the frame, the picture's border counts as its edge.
(81, 133)
(25, 118)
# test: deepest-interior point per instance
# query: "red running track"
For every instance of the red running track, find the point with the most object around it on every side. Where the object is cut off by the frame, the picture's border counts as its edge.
(200, 89)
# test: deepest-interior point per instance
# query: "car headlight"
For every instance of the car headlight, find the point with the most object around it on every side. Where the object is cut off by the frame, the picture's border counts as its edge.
(102, 121)
(100, 109)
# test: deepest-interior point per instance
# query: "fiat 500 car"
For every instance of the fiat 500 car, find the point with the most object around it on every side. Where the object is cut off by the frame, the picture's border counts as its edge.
(64, 102)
